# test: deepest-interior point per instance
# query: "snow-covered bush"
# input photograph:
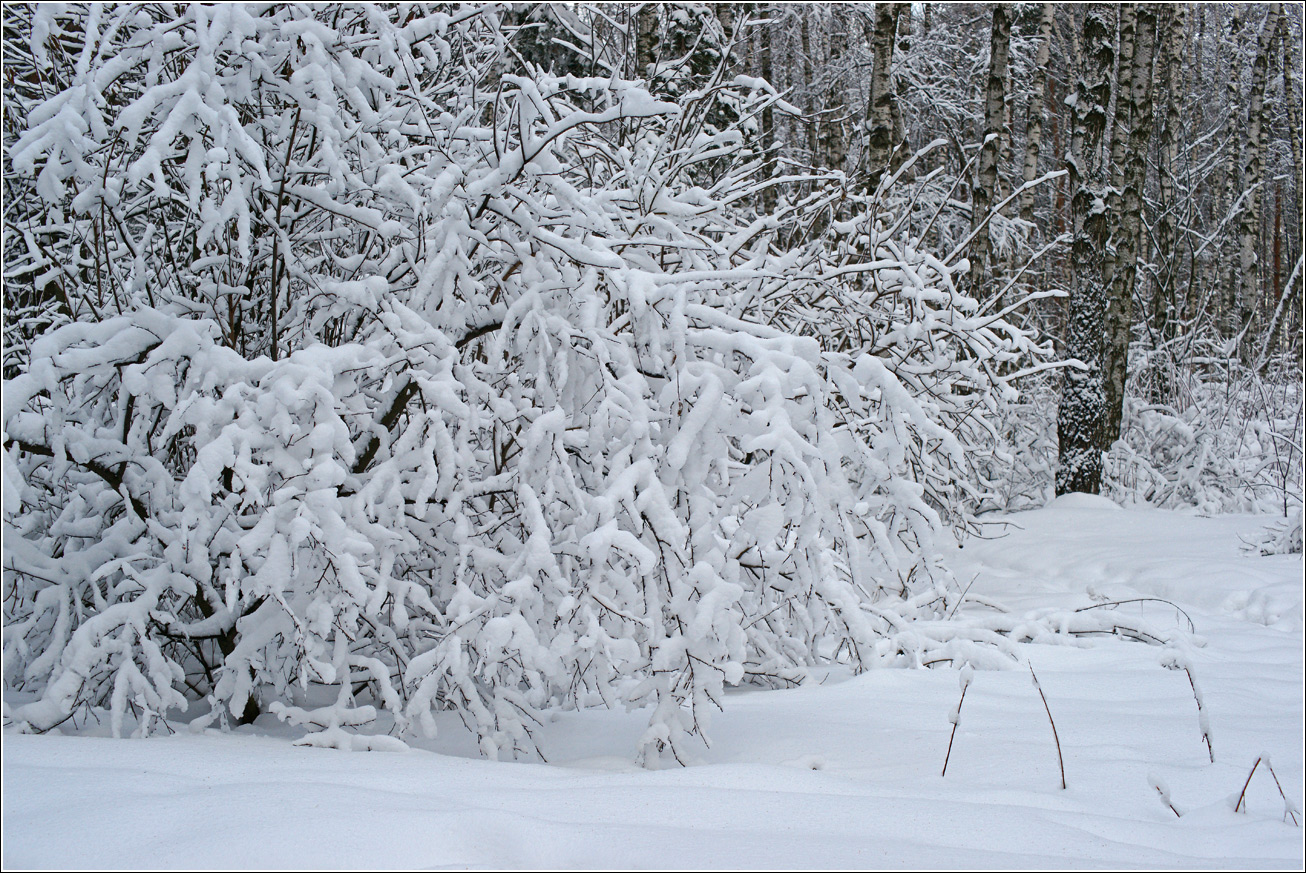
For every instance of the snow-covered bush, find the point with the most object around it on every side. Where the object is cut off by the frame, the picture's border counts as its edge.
(401, 383)
(1211, 435)
(1015, 467)
(1283, 537)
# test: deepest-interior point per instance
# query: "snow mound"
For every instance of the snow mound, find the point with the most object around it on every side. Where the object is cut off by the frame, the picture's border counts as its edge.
(1083, 501)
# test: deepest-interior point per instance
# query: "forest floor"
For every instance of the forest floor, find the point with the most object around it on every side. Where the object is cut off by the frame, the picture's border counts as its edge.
(840, 773)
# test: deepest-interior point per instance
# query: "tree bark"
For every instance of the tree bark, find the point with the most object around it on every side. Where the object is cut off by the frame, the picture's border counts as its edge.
(1293, 103)
(1165, 308)
(833, 143)
(1034, 111)
(1227, 298)
(1245, 282)
(1128, 221)
(879, 105)
(1116, 133)
(813, 146)
(1293, 324)
(1082, 407)
(768, 114)
(995, 98)
(646, 39)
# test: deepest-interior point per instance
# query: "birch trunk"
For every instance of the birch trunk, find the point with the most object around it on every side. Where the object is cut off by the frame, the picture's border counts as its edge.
(1116, 136)
(1118, 111)
(1292, 98)
(1034, 113)
(1293, 101)
(646, 39)
(995, 98)
(1082, 406)
(1234, 136)
(1165, 308)
(810, 105)
(1245, 282)
(768, 114)
(879, 105)
(1129, 221)
(833, 143)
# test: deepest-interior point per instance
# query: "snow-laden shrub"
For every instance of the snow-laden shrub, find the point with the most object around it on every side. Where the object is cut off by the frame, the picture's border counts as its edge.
(1014, 468)
(414, 385)
(563, 530)
(1212, 435)
(1282, 537)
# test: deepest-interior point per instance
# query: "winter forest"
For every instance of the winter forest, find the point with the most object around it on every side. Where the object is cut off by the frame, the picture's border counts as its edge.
(381, 373)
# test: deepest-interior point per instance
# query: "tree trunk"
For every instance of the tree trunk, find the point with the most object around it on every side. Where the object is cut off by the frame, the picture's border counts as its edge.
(1129, 220)
(1293, 102)
(809, 106)
(1164, 305)
(879, 105)
(1116, 137)
(1234, 135)
(1118, 111)
(768, 114)
(1245, 282)
(1034, 112)
(995, 98)
(1059, 201)
(1082, 407)
(1292, 99)
(646, 39)
(833, 143)
(728, 16)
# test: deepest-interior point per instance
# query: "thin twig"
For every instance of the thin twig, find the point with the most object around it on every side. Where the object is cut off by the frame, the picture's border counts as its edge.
(1192, 628)
(1242, 794)
(1166, 800)
(956, 721)
(1060, 761)
(1201, 722)
(959, 601)
(1287, 807)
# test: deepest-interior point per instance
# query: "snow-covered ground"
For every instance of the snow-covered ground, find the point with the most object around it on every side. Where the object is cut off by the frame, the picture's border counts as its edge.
(834, 774)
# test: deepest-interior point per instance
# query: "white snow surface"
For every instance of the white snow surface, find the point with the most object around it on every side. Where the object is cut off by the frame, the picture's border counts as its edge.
(841, 772)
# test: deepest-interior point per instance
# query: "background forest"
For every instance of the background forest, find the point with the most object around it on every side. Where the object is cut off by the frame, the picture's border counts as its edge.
(365, 362)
